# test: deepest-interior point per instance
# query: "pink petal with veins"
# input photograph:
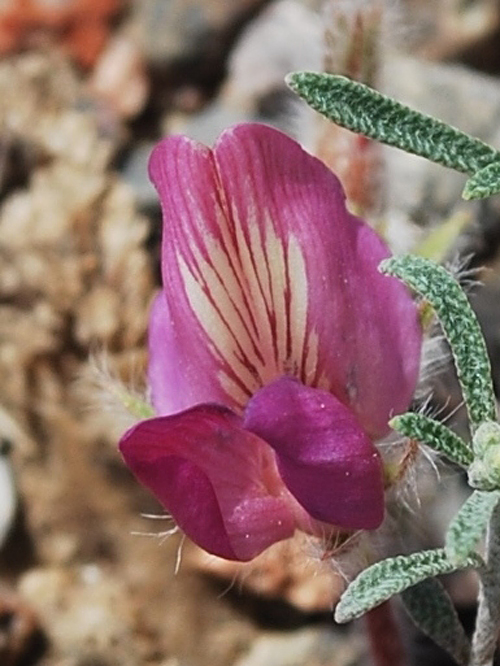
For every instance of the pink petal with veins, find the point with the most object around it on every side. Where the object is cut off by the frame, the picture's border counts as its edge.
(266, 273)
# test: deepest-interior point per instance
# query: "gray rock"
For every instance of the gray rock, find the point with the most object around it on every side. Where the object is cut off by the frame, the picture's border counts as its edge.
(459, 96)
(172, 30)
(284, 37)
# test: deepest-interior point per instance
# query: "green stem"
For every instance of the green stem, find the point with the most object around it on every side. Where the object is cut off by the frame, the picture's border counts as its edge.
(484, 641)
(385, 636)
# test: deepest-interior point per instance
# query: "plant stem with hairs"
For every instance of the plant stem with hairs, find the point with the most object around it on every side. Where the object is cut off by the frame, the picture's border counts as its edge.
(488, 614)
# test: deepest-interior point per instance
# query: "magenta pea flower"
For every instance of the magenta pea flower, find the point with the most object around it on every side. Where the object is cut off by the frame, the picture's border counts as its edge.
(278, 352)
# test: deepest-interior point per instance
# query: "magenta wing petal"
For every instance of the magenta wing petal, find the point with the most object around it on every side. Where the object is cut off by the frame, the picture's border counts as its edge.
(219, 482)
(324, 457)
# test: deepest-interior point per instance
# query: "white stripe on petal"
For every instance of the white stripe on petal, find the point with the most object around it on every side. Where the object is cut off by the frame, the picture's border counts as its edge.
(249, 293)
(298, 306)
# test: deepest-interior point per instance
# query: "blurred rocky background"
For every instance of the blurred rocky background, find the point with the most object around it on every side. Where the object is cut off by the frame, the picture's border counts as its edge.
(86, 88)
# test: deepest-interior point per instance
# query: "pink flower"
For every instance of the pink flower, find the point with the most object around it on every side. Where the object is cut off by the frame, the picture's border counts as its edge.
(278, 352)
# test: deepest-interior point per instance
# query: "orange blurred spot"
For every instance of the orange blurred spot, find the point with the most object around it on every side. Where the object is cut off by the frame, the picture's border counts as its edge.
(80, 27)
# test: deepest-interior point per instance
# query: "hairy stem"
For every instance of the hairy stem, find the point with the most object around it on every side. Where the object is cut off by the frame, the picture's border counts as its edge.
(385, 637)
(484, 641)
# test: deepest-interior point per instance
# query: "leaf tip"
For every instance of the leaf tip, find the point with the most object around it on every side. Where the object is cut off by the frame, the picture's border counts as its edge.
(385, 266)
(395, 423)
(468, 192)
(291, 79)
(342, 615)
(294, 80)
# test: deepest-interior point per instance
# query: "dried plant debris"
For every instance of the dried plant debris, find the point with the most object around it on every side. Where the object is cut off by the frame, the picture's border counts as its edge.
(74, 272)
(73, 268)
